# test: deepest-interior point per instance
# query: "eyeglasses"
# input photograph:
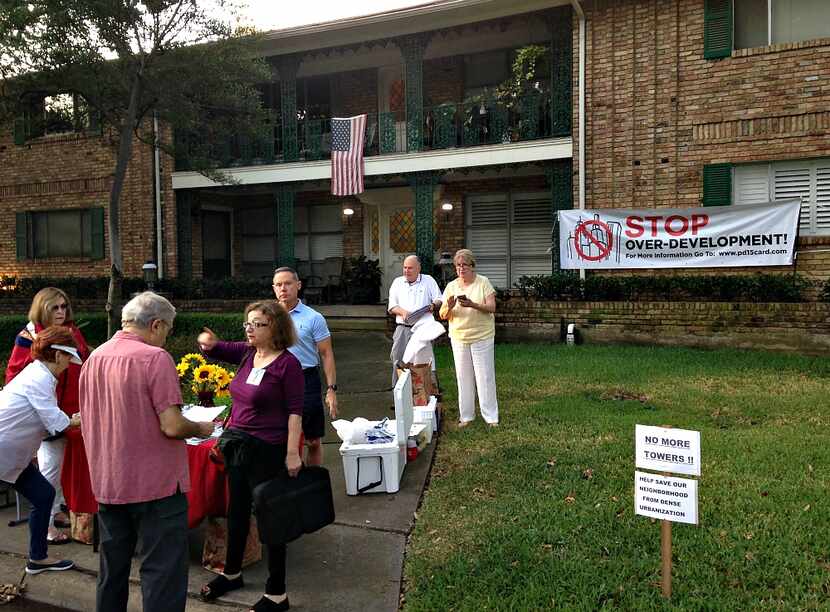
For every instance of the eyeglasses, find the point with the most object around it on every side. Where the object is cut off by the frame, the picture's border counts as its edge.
(463, 265)
(63, 306)
(254, 325)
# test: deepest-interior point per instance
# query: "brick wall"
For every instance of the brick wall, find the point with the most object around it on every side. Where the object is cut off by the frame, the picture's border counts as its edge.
(787, 327)
(443, 80)
(354, 92)
(75, 171)
(657, 111)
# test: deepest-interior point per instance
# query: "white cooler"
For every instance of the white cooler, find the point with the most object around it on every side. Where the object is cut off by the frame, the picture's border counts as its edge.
(378, 468)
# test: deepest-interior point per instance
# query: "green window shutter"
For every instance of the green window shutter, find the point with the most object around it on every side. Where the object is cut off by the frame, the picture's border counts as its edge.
(22, 235)
(717, 29)
(97, 233)
(20, 131)
(717, 185)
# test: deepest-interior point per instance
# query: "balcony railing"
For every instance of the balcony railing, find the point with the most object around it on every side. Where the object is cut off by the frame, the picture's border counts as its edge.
(452, 125)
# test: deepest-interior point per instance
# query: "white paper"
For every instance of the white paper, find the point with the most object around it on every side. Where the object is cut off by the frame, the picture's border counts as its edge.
(666, 449)
(665, 497)
(201, 413)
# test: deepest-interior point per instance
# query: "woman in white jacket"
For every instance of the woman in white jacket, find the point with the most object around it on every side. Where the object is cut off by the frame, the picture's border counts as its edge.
(29, 412)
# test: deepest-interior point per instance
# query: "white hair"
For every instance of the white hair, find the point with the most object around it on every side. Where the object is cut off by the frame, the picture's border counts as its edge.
(145, 308)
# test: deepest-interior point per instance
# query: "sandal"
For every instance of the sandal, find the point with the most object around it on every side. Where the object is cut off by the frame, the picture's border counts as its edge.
(269, 605)
(58, 539)
(221, 585)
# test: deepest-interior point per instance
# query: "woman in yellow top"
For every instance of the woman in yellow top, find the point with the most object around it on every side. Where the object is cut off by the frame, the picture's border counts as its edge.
(469, 304)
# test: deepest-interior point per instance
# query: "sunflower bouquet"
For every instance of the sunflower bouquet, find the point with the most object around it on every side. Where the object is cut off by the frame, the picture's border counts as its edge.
(204, 379)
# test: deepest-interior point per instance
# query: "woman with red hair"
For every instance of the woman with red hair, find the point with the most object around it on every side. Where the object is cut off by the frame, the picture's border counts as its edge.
(28, 412)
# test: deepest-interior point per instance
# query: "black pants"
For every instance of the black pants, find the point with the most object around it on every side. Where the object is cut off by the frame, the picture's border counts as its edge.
(159, 527)
(241, 482)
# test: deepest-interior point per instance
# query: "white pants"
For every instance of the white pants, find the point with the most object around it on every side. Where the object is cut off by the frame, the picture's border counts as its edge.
(50, 461)
(475, 369)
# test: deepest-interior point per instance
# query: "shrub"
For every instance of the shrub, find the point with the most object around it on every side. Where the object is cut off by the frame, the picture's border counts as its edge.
(709, 287)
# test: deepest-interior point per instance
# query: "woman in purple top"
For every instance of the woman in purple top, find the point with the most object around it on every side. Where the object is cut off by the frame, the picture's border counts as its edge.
(263, 435)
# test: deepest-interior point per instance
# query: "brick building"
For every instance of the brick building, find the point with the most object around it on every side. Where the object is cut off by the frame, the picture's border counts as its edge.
(686, 103)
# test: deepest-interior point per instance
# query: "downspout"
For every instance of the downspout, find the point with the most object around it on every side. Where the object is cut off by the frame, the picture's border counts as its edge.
(581, 110)
(157, 181)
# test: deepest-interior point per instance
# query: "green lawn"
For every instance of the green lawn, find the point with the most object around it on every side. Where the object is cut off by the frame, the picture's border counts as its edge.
(512, 521)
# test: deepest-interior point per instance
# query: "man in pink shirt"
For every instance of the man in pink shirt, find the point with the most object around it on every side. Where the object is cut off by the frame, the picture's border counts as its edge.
(133, 429)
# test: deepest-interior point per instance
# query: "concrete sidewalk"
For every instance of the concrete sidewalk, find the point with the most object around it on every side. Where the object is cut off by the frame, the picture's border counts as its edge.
(354, 564)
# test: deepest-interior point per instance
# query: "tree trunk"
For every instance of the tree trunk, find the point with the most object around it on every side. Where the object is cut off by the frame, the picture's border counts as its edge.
(125, 149)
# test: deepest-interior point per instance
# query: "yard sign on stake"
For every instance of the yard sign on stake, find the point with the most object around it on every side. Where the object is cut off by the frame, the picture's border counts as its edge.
(667, 498)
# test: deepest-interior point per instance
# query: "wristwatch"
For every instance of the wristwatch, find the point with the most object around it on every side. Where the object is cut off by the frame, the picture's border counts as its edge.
(333, 387)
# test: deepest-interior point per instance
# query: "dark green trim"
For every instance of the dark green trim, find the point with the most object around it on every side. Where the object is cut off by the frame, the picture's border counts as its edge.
(184, 233)
(717, 29)
(21, 222)
(284, 224)
(19, 131)
(288, 100)
(717, 185)
(560, 179)
(97, 237)
(412, 49)
(561, 70)
(423, 184)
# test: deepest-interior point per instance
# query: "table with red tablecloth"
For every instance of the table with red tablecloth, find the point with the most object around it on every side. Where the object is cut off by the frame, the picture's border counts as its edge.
(208, 494)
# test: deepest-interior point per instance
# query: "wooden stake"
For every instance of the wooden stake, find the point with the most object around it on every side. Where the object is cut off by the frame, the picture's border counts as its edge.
(665, 553)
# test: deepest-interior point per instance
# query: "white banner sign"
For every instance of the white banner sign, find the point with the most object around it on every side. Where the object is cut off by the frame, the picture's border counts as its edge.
(665, 497)
(665, 449)
(752, 235)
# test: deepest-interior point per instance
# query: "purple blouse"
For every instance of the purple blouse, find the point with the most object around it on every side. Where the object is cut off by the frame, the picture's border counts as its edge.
(262, 410)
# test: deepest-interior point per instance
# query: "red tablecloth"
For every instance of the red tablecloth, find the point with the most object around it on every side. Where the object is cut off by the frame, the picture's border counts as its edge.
(77, 489)
(208, 494)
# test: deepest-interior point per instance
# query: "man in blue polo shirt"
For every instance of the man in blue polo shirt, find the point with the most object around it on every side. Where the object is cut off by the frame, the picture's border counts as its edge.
(313, 346)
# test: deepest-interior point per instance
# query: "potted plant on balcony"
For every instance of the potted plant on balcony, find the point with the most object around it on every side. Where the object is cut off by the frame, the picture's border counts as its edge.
(362, 279)
(522, 92)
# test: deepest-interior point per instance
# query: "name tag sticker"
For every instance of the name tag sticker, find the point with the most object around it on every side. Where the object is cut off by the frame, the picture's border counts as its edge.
(255, 377)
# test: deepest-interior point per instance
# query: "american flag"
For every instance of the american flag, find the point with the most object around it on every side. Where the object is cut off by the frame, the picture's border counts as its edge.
(347, 155)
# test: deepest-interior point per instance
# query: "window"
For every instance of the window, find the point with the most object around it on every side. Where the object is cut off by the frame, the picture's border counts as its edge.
(510, 235)
(318, 234)
(258, 245)
(808, 180)
(765, 22)
(60, 113)
(61, 233)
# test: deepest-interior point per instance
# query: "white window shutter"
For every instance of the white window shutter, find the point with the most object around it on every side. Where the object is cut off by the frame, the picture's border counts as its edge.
(751, 184)
(530, 236)
(821, 197)
(793, 180)
(488, 235)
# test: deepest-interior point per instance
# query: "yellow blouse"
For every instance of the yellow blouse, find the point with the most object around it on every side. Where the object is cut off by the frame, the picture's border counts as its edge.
(467, 324)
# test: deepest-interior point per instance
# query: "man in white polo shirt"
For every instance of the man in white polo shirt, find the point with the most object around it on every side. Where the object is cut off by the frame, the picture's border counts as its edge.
(409, 295)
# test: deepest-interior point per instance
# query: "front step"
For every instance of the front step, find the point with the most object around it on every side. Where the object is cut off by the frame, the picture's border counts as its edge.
(354, 317)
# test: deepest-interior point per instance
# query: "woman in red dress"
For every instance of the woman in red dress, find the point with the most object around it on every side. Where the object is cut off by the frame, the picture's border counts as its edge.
(51, 306)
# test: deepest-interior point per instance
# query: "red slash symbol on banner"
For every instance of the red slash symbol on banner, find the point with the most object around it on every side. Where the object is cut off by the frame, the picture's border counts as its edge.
(590, 234)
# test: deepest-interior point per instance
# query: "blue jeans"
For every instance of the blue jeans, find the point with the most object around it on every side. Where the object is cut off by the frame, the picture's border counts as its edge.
(33, 486)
